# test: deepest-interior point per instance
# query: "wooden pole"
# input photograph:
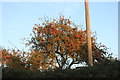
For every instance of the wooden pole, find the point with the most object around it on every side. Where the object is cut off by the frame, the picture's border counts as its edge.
(90, 58)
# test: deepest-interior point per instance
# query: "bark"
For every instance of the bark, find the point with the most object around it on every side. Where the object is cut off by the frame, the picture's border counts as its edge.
(73, 62)
(57, 61)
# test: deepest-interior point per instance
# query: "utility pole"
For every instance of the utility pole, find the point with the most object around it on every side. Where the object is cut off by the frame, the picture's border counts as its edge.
(90, 58)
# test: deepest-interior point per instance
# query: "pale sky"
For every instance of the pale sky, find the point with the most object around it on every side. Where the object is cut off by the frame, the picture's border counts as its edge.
(18, 18)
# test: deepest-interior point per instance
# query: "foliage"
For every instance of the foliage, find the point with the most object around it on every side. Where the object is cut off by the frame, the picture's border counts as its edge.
(13, 58)
(59, 44)
(56, 44)
(103, 70)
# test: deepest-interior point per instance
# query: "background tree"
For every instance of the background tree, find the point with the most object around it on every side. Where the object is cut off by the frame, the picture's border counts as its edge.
(13, 58)
(59, 43)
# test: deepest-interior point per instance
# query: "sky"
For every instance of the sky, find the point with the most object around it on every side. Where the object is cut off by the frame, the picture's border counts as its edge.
(18, 19)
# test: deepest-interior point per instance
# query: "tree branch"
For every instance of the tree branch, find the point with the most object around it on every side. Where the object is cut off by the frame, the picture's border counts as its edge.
(73, 62)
